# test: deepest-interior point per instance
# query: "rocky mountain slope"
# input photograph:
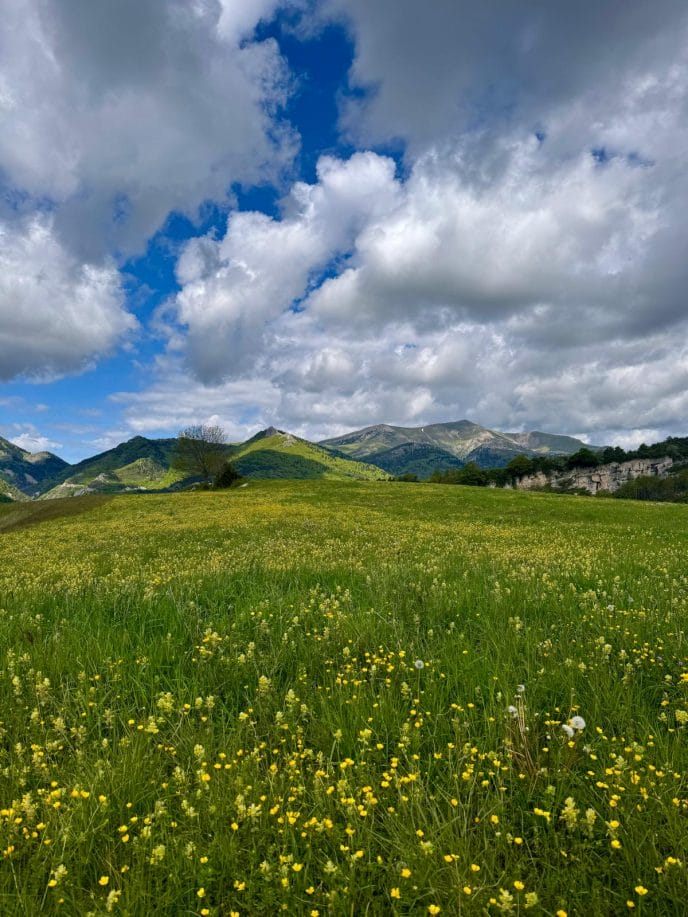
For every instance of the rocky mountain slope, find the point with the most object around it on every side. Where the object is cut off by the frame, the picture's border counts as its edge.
(24, 474)
(138, 464)
(421, 450)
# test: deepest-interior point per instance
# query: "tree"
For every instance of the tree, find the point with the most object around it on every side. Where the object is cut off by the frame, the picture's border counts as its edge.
(519, 466)
(200, 451)
(226, 476)
(584, 458)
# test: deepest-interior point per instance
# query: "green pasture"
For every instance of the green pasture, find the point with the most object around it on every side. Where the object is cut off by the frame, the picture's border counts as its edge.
(343, 698)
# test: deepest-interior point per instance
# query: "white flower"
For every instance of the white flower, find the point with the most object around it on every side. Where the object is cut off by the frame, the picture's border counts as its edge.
(567, 729)
(419, 664)
(520, 688)
(512, 710)
(577, 722)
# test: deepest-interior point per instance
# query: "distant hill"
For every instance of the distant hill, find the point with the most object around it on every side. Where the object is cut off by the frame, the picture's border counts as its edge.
(421, 450)
(275, 454)
(138, 464)
(142, 464)
(24, 474)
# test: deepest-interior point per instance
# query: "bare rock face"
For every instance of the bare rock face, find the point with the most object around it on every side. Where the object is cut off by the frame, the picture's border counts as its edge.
(603, 478)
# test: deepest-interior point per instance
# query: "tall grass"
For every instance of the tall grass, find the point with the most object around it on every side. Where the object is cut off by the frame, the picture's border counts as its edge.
(345, 699)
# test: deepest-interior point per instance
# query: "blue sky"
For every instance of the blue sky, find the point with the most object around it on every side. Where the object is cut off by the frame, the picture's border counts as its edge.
(324, 214)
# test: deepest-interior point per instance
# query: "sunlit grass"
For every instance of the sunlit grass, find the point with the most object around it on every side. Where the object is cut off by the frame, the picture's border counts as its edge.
(345, 699)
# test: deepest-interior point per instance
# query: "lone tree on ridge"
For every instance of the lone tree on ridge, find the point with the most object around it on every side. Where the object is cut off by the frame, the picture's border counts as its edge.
(200, 451)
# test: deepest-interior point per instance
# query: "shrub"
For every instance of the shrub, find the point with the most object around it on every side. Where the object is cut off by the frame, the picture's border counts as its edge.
(226, 476)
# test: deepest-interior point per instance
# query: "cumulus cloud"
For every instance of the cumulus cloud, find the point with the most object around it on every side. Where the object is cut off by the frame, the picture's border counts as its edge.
(234, 287)
(56, 312)
(442, 299)
(118, 113)
(569, 250)
(175, 400)
(454, 67)
(524, 268)
(526, 271)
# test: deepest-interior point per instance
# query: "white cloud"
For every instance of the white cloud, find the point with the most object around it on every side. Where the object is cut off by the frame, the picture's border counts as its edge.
(513, 275)
(549, 297)
(175, 401)
(31, 440)
(235, 286)
(56, 313)
(456, 67)
(119, 113)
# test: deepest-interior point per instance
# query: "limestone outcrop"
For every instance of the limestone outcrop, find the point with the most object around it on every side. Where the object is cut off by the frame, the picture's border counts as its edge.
(602, 478)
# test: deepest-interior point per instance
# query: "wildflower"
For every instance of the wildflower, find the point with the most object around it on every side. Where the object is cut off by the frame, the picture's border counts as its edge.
(569, 814)
(419, 664)
(570, 732)
(577, 722)
(640, 890)
(58, 875)
(395, 893)
(157, 854)
(518, 885)
(434, 908)
(512, 710)
(531, 899)
(103, 880)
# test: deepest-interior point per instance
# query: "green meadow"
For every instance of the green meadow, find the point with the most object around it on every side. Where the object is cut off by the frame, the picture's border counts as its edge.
(358, 698)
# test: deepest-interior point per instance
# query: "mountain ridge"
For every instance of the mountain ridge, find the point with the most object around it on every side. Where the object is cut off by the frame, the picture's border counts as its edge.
(463, 441)
(372, 453)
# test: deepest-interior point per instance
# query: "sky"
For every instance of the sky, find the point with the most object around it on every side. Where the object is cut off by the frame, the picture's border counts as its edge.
(325, 214)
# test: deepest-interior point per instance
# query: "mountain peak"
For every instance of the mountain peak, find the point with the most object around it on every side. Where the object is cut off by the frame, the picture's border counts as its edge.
(265, 434)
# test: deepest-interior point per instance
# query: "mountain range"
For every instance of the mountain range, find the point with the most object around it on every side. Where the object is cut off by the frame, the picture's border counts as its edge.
(374, 453)
(421, 450)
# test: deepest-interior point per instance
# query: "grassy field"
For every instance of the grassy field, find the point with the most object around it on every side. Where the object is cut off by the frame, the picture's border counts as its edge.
(344, 699)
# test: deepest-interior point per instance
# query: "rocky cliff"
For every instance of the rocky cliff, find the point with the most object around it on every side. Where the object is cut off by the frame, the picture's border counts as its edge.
(603, 478)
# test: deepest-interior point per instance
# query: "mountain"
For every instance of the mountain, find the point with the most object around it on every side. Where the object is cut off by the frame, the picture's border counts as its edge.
(421, 450)
(275, 454)
(549, 443)
(24, 474)
(138, 464)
